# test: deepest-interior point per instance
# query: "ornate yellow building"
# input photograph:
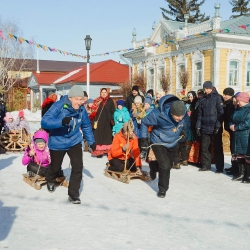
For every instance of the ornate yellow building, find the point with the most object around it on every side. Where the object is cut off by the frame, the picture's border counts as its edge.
(212, 50)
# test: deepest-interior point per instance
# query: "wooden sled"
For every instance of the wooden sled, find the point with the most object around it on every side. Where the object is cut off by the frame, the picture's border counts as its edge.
(38, 181)
(127, 175)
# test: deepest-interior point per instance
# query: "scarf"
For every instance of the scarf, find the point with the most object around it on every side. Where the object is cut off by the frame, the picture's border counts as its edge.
(96, 104)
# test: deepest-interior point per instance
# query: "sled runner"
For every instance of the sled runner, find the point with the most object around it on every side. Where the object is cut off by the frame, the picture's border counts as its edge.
(38, 181)
(127, 175)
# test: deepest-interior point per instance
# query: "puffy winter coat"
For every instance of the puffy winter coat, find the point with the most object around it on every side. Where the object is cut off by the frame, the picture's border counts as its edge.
(210, 112)
(41, 156)
(117, 152)
(186, 126)
(228, 112)
(64, 137)
(120, 117)
(3, 111)
(241, 120)
(165, 129)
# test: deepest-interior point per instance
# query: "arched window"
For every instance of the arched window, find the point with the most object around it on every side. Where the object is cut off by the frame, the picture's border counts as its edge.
(197, 69)
(198, 74)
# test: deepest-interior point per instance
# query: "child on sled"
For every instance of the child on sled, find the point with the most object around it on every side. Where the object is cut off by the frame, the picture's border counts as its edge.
(37, 156)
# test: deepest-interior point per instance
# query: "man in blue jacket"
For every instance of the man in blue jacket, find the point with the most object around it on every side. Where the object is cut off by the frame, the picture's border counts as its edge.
(208, 126)
(167, 121)
(64, 120)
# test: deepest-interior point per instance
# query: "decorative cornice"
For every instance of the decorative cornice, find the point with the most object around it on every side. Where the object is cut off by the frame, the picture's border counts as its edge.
(199, 28)
(225, 45)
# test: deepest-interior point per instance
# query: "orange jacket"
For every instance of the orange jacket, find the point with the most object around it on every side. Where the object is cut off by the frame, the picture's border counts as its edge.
(116, 149)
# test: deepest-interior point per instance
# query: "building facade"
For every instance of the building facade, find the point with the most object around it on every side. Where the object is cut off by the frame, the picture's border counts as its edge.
(213, 51)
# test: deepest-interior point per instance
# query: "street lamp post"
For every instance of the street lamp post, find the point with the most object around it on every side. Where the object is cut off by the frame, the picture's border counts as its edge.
(88, 40)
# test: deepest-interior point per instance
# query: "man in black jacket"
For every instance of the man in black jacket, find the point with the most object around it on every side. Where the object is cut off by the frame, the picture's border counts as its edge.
(209, 127)
(229, 108)
(3, 111)
(130, 99)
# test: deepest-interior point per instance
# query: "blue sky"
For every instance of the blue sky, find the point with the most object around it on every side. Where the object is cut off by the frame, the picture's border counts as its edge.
(64, 24)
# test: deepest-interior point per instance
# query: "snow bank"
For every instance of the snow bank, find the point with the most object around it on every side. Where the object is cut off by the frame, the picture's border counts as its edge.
(31, 117)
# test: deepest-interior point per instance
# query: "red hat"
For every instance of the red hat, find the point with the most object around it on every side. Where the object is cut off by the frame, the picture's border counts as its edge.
(21, 113)
(243, 96)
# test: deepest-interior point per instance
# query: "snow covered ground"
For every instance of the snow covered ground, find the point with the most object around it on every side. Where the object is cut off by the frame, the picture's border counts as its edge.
(200, 211)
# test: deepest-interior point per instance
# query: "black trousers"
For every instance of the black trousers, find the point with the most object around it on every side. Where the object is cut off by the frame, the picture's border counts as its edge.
(180, 149)
(165, 159)
(75, 155)
(118, 165)
(206, 141)
(33, 167)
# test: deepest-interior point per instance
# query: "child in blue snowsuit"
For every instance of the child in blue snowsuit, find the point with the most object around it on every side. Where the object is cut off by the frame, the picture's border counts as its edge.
(121, 115)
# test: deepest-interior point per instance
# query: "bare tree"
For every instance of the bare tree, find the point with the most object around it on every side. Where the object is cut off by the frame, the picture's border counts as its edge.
(14, 56)
(165, 81)
(140, 81)
(183, 77)
(125, 89)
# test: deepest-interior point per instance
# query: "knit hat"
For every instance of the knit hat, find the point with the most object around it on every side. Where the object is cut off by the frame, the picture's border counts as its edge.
(21, 113)
(243, 96)
(136, 88)
(7, 116)
(138, 99)
(228, 91)
(177, 108)
(76, 91)
(120, 102)
(39, 140)
(207, 85)
(90, 100)
(150, 91)
(148, 100)
(185, 99)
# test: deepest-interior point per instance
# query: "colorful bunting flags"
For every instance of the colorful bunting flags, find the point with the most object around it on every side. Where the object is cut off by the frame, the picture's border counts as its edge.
(171, 41)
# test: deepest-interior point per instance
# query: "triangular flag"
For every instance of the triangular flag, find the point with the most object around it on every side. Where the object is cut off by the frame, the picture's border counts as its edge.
(1, 34)
(243, 27)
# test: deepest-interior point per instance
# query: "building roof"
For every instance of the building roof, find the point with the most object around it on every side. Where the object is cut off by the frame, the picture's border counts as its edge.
(102, 72)
(233, 25)
(45, 78)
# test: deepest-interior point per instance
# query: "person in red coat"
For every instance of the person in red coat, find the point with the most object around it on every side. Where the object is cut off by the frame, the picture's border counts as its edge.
(48, 102)
(125, 143)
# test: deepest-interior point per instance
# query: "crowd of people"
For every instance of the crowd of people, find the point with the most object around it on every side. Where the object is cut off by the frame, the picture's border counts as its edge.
(162, 129)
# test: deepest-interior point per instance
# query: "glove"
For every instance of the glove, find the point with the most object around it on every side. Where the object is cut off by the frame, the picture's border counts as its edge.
(66, 120)
(93, 146)
(126, 147)
(183, 134)
(216, 130)
(198, 131)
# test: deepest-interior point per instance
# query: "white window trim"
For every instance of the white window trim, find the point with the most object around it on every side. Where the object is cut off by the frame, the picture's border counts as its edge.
(150, 65)
(234, 55)
(246, 64)
(180, 59)
(196, 58)
(161, 65)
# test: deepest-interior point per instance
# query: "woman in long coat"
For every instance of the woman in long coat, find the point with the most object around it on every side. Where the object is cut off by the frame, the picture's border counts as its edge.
(102, 116)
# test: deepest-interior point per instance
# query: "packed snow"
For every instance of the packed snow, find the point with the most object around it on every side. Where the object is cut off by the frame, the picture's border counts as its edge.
(201, 210)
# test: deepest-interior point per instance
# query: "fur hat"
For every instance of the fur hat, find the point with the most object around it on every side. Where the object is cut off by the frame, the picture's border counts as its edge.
(177, 108)
(136, 88)
(243, 96)
(7, 116)
(21, 113)
(148, 100)
(128, 126)
(207, 85)
(76, 91)
(138, 99)
(120, 102)
(228, 91)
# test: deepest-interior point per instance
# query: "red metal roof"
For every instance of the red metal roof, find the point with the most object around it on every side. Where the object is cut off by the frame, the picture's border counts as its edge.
(102, 72)
(46, 78)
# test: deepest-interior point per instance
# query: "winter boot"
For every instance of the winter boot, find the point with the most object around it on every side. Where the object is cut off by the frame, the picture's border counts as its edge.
(234, 170)
(74, 200)
(161, 194)
(246, 178)
(176, 166)
(51, 187)
(184, 163)
(241, 166)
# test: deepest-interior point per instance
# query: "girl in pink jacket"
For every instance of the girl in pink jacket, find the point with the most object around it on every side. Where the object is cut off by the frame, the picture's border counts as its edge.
(37, 156)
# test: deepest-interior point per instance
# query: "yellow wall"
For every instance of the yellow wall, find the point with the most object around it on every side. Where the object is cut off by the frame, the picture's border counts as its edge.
(23, 74)
(223, 70)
